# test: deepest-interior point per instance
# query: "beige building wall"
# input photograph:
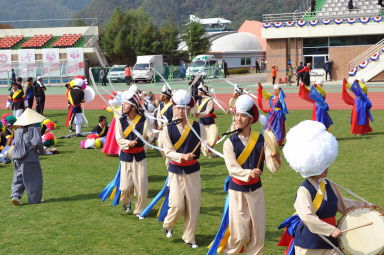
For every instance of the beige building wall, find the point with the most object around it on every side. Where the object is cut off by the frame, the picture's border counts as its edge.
(276, 55)
(341, 57)
(279, 50)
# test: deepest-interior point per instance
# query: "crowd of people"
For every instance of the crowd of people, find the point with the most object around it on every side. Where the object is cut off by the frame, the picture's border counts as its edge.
(140, 119)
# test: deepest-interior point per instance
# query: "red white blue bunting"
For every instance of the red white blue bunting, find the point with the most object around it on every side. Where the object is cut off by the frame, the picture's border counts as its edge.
(301, 23)
(364, 20)
(314, 22)
(351, 20)
(338, 21)
(364, 64)
(277, 24)
(326, 21)
(375, 56)
(377, 19)
(266, 25)
(289, 23)
(353, 72)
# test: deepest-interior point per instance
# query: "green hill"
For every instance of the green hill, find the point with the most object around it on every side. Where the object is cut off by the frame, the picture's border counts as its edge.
(38, 10)
(235, 10)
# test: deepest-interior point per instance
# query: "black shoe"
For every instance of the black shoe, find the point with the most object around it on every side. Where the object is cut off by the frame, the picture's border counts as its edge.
(79, 135)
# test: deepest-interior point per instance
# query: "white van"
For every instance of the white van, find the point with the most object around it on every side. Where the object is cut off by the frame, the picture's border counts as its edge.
(203, 64)
(145, 67)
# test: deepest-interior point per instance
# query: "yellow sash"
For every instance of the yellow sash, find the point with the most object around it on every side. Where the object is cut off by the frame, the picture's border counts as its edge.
(183, 136)
(16, 93)
(248, 148)
(319, 197)
(165, 108)
(70, 99)
(102, 131)
(130, 127)
(204, 102)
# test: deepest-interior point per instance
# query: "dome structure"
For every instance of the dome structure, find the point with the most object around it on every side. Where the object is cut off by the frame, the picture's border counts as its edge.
(236, 42)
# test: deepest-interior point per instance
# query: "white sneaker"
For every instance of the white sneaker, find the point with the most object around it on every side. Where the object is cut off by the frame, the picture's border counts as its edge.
(168, 233)
(193, 246)
(140, 217)
(16, 201)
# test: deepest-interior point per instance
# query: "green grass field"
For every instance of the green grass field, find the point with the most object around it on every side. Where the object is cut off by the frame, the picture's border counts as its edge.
(73, 220)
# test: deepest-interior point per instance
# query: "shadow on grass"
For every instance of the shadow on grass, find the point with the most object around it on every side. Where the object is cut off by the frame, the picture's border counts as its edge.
(202, 240)
(79, 197)
(354, 138)
(375, 133)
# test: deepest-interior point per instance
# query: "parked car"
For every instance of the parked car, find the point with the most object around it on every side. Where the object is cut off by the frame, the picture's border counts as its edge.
(145, 67)
(117, 73)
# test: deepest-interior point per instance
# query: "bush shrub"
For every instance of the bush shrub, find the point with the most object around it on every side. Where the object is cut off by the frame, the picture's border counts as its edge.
(240, 70)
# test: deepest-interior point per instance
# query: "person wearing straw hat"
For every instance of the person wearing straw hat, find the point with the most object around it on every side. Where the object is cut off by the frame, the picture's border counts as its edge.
(17, 101)
(133, 163)
(182, 149)
(244, 154)
(25, 154)
(310, 150)
(207, 116)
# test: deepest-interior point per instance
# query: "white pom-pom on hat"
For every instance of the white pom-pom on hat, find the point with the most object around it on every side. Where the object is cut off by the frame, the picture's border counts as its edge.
(276, 86)
(310, 149)
(181, 98)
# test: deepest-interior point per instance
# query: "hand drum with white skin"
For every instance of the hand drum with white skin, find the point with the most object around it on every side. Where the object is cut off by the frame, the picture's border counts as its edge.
(367, 240)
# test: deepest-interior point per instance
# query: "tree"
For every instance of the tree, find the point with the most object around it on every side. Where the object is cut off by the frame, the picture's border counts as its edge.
(194, 37)
(129, 34)
(169, 38)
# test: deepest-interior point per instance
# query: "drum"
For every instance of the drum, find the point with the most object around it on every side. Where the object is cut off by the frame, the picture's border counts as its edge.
(271, 141)
(367, 240)
(212, 135)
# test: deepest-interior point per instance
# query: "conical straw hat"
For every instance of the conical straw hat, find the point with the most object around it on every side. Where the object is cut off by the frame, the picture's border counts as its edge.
(29, 117)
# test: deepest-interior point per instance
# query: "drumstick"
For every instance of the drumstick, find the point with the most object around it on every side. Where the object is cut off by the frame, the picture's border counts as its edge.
(370, 223)
(261, 155)
(197, 146)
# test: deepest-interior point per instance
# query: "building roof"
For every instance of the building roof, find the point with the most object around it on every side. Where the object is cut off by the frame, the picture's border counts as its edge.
(236, 42)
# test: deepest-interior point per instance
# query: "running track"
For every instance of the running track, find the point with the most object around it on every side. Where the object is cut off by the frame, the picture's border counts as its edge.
(293, 101)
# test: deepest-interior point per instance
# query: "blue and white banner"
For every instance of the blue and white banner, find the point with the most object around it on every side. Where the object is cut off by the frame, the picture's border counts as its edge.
(301, 23)
(338, 21)
(364, 64)
(353, 72)
(289, 23)
(313, 22)
(351, 20)
(378, 19)
(326, 21)
(266, 25)
(364, 20)
(277, 24)
(376, 56)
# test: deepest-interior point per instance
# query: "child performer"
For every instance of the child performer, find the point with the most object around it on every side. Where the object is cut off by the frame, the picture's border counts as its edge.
(17, 101)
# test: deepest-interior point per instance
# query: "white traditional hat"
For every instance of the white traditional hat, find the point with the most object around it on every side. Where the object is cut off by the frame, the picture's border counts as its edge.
(203, 88)
(181, 98)
(276, 86)
(29, 117)
(166, 92)
(131, 97)
(310, 148)
(245, 104)
(238, 90)
(39, 77)
(77, 83)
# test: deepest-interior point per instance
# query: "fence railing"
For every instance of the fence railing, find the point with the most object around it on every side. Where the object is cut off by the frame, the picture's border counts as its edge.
(298, 15)
(366, 54)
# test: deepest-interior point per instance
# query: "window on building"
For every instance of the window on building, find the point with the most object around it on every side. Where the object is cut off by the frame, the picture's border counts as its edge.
(245, 61)
(355, 40)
